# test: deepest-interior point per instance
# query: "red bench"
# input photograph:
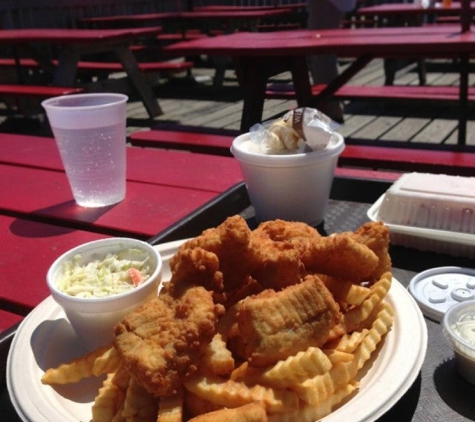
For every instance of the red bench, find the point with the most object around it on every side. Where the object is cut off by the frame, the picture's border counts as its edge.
(449, 94)
(360, 156)
(37, 91)
(110, 67)
(196, 142)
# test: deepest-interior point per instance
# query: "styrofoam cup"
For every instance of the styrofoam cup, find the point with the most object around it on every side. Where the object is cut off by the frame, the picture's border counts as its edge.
(90, 134)
(93, 319)
(292, 187)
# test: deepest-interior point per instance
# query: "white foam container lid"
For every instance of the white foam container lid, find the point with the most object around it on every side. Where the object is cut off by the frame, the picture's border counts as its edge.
(434, 201)
(430, 212)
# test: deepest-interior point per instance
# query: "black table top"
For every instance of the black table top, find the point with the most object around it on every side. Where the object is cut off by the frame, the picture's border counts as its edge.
(439, 392)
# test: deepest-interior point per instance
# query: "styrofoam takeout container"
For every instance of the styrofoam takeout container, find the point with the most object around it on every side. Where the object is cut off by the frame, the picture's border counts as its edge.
(430, 212)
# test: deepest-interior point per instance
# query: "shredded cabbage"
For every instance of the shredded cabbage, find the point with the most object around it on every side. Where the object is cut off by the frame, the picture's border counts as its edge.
(102, 277)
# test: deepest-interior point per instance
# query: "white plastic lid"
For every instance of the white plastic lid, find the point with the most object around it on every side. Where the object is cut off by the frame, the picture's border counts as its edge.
(438, 289)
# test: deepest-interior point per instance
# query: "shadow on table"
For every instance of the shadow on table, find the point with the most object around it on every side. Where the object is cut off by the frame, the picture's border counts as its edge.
(404, 409)
(454, 390)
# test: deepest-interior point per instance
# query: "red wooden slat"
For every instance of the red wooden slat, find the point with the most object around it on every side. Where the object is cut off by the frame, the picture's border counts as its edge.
(349, 92)
(7, 319)
(170, 168)
(46, 194)
(28, 249)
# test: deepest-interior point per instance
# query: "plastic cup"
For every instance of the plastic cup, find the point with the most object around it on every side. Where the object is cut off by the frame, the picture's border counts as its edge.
(294, 187)
(90, 134)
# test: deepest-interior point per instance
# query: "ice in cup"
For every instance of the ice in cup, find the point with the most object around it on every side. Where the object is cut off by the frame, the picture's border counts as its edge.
(290, 186)
(90, 134)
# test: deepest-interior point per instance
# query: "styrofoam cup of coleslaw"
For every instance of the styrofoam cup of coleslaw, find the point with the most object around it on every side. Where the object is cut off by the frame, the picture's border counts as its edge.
(99, 282)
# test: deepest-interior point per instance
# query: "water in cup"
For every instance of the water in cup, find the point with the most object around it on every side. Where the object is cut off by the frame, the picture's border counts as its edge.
(90, 134)
(94, 166)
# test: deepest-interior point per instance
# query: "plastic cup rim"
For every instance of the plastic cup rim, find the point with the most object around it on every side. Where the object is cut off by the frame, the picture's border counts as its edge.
(116, 99)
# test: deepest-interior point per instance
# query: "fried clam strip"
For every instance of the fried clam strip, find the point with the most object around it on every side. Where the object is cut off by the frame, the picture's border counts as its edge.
(252, 412)
(375, 235)
(77, 369)
(162, 342)
(318, 389)
(273, 325)
(341, 256)
(229, 393)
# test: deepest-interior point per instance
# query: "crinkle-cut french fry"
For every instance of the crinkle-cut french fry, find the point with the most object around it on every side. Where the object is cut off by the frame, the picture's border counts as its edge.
(108, 362)
(252, 412)
(345, 290)
(170, 408)
(121, 379)
(380, 327)
(229, 393)
(297, 368)
(139, 405)
(310, 413)
(197, 406)
(75, 370)
(347, 343)
(108, 401)
(217, 359)
(355, 316)
(318, 389)
(336, 356)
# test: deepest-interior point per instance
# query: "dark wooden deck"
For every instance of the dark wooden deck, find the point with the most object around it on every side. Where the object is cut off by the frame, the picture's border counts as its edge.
(196, 103)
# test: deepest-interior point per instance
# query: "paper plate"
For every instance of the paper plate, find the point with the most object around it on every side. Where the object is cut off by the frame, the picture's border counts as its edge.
(45, 339)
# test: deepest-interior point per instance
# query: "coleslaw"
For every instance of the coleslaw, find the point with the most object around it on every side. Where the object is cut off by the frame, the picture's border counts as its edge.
(112, 275)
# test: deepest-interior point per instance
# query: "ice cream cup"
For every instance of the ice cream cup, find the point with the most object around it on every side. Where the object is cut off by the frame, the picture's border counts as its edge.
(292, 187)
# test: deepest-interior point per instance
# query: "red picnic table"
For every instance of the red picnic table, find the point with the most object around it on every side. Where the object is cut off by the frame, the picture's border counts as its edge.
(39, 219)
(229, 19)
(72, 44)
(257, 56)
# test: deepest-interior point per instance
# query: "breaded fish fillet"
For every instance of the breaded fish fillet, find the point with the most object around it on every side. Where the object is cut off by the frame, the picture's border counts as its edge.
(161, 342)
(273, 325)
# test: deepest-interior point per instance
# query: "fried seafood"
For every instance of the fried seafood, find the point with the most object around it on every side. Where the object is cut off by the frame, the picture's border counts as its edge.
(273, 325)
(161, 343)
(216, 259)
(376, 237)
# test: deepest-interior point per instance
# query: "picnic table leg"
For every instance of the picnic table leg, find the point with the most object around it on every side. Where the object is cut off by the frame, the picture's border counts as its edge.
(342, 79)
(300, 79)
(463, 98)
(65, 72)
(252, 76)
(137, 80)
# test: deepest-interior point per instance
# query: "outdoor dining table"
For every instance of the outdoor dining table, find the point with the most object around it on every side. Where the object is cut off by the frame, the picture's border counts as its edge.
(229, 20)
(39, 218)
(72, 44)
(438, 392)
(257, 56)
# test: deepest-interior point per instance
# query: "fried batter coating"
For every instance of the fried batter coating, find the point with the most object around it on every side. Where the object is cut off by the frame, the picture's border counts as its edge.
(224, 253)
(276, 263)
(340, 256)
(161, 342)
(273, 325)
(375, 235)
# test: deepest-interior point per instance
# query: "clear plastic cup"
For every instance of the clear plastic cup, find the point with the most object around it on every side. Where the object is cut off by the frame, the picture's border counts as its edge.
(90, 134)
(293, 187)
